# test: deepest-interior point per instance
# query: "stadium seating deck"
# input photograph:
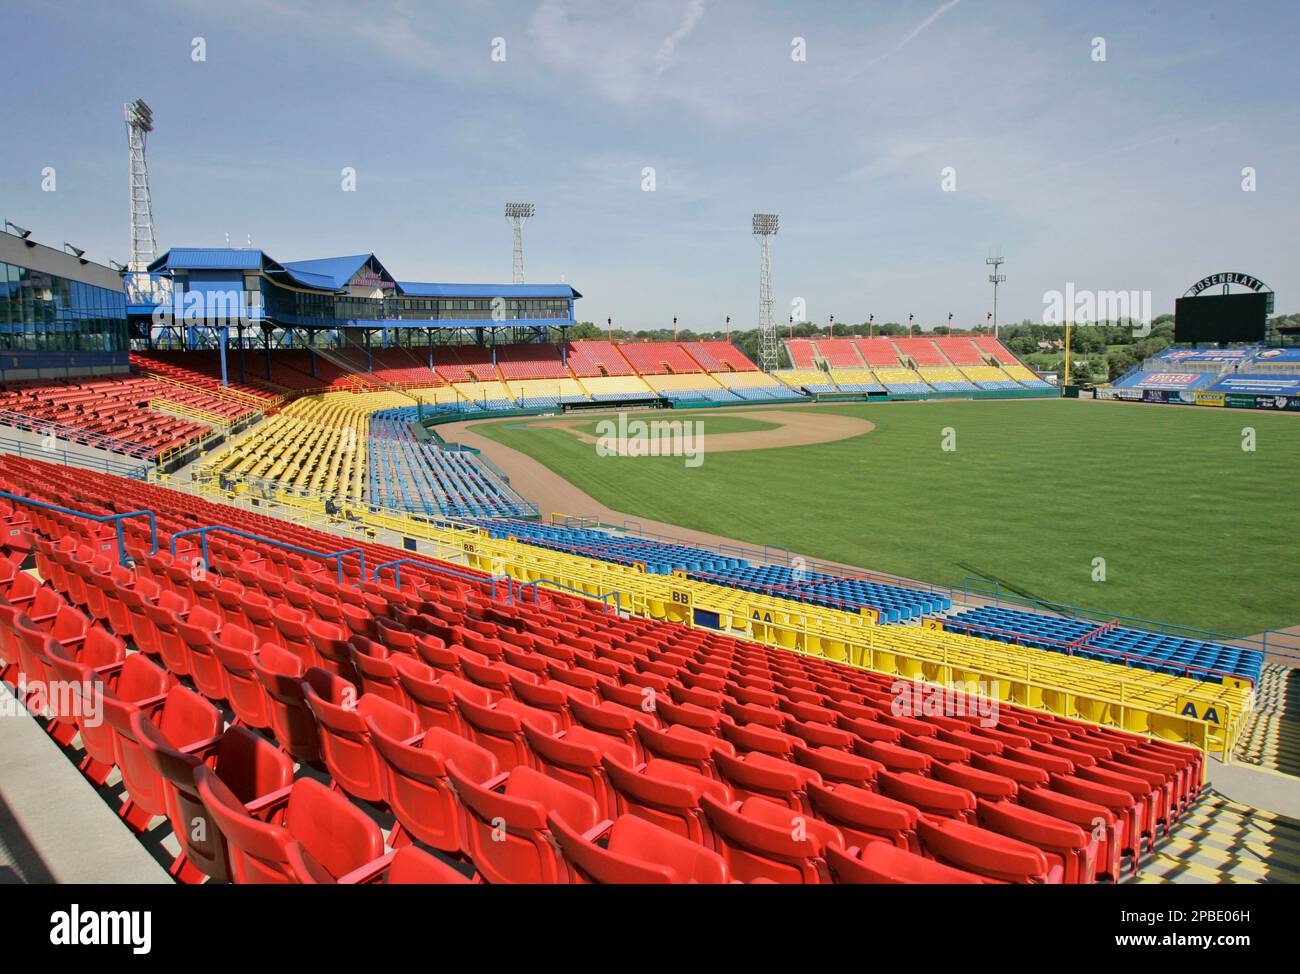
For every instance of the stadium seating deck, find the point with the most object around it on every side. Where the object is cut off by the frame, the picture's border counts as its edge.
(201, 369)
(902, 381)
(464, 363)
(946, 380)
(455, 712)
(487, 395)
(659, 358)
(615, 388)
(411, 475)
(531, 361)
(802, 353)
(839, 353)
(690, 387)
(719, 357)
(1161, 653)
(878, 352)
(814, 380)
(596, 358)
(123, 409)
(922, 351)
(315, 446)
(959, 351)
(856, 380)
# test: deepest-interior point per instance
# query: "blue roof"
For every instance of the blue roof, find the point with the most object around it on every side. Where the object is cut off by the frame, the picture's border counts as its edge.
(334, 273)
(338, 270)
(209, 258)
(417, 289)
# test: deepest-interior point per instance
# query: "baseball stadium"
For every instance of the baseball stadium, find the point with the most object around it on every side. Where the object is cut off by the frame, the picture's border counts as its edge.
(312, 575)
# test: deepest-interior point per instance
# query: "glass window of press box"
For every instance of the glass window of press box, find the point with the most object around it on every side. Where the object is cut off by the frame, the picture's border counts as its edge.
(42, 312)
(299, 306)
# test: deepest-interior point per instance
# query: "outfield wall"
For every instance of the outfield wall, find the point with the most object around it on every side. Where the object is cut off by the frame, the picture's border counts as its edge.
(1232, 400)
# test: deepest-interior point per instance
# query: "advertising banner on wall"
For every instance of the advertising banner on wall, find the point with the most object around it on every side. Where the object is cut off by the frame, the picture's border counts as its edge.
(1155, 395)
(1272, 402)
(1235, 400)
(1107, 393)
(1209, 398)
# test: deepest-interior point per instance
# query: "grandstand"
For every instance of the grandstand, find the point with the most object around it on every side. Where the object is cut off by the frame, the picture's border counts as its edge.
(855, 380)
(747, 737)
(314, 574)
(813, 381)
(596, 358)
(1191, 375)
(659, 358)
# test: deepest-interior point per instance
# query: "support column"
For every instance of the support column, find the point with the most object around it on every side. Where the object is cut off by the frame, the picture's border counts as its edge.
(221, 353)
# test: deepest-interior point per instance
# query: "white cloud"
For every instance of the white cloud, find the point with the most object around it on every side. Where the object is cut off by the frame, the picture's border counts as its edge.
(911, 36)
(664, 56)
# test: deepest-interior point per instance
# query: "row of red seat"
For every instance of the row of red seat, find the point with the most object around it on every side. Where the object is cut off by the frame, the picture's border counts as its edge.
(741, 743)
(115, 407)
(200, 369)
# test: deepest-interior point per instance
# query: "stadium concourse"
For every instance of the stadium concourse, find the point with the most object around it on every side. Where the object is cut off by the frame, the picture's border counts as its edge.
(352, 651)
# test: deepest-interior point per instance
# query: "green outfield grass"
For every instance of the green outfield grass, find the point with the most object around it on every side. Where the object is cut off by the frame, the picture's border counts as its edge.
(1194, 530)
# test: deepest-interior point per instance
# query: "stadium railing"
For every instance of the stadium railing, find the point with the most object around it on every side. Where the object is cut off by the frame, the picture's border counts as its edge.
(1275, 642)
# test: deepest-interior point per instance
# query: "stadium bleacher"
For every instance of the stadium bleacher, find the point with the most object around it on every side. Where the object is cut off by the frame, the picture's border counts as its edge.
(659, 358)
(802, 353)
(534, 360)
(413, 475)
(959, 351)
(719, 357)
(755, 386)
(611, 388)
(136, 412)
(878, 352)
(946, 380)
(455, 711)
(856, 380)
(901, 381)
(1161, 653)
(921, 351)
(839, 353)
(989, 377)
(688, 387)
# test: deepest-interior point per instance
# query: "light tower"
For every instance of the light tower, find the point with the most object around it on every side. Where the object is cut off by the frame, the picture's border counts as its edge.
(517, 213)
(995, 279)
(139, 123)
(765, 228)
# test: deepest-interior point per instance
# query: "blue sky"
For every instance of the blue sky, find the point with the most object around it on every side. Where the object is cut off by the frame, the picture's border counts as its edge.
(1119, 174)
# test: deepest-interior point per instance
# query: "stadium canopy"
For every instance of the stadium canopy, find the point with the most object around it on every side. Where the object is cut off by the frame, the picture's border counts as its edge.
(336, 274)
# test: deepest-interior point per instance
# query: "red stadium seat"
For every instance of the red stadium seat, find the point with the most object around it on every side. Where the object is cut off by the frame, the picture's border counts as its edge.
(333, 834)
(637, 852)
(343, 722)
(759, 838)
(419, 790)
(881, 863)
(509, 840)
(252, 768)
(985, 853)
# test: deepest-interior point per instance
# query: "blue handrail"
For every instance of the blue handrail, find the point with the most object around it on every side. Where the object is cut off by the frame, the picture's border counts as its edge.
(476, 579)
(614, 593)
(100, 519)
(203, 538)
